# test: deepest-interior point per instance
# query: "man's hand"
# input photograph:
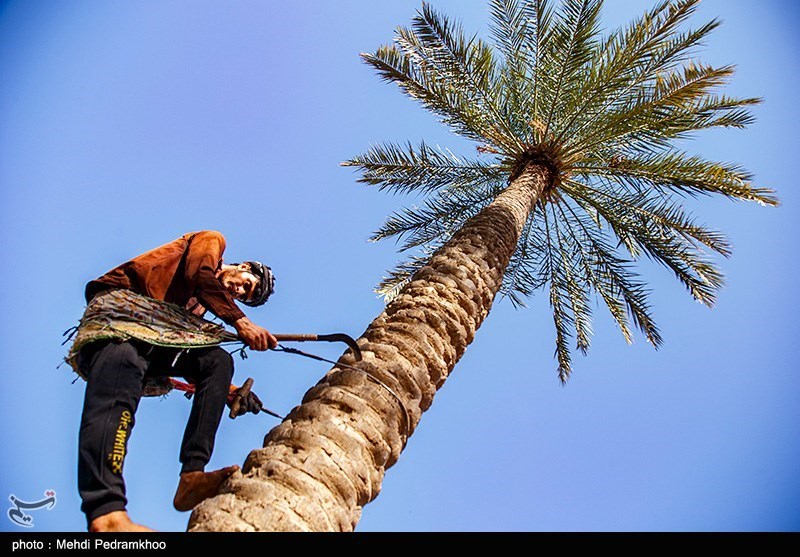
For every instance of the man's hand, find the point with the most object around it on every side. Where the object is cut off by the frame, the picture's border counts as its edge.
(257, 338)
(250, 403)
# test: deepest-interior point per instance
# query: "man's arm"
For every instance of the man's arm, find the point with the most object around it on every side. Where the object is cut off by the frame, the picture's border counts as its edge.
(202, 259)
(257, 338)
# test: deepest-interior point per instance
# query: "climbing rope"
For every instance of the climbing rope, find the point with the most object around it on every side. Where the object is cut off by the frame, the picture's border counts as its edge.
(387, 388)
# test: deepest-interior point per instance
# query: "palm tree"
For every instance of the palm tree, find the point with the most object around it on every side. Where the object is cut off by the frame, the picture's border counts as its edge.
(578, 176)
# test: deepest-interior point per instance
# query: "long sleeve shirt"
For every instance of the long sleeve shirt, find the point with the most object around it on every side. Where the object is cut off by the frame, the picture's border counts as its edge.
(176, 272)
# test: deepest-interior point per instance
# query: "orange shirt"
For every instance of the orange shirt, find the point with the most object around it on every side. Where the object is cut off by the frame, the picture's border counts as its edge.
(177, 272)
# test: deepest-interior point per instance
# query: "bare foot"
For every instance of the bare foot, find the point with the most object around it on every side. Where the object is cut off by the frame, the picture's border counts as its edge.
(116, 521)
(198, 486)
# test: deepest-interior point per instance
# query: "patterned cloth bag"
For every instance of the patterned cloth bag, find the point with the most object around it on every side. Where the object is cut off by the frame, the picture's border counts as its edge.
(121, 314)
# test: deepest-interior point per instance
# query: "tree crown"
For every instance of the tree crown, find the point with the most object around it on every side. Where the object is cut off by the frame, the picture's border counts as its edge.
(605, 112)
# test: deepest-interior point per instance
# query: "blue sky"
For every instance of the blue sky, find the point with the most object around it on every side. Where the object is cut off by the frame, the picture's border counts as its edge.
(126, 124)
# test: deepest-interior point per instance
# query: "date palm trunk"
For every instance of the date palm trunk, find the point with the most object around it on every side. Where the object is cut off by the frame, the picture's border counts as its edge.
(321, 465)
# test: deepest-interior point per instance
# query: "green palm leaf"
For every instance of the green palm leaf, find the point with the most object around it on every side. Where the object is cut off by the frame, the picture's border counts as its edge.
(423, 169)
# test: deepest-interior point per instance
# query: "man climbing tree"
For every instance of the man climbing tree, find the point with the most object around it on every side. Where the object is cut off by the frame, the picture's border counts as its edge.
(124, 352)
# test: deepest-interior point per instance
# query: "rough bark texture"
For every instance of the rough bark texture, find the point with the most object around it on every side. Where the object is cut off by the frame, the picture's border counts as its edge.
(326, 460)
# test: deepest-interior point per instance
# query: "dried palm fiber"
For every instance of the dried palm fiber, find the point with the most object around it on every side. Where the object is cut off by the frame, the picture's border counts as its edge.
(122, 315)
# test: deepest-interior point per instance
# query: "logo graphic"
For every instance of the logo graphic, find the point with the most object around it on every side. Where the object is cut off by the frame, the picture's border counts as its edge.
(17, 514)
(117, 455)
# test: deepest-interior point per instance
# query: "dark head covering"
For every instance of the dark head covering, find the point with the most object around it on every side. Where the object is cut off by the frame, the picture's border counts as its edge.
(266, 283)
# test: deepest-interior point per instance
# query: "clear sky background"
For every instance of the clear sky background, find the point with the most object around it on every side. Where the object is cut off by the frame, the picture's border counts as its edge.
(126, 124)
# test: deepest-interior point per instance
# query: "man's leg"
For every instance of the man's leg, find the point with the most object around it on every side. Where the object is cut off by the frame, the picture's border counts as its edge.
(113, 389)
(211, 370)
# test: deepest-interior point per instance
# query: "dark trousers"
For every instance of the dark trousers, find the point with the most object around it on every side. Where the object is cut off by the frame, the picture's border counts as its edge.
(115, 376)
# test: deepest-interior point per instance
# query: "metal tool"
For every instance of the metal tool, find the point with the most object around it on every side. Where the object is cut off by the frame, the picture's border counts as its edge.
(333, 337)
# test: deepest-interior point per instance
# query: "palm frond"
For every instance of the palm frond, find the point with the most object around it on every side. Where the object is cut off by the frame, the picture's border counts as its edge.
(509, 31)
(676, 171)
(671, 106)
(562, 318)
(449, 104)
(439, 217)
(453, 76)
(627, 59)
(540, 15)
(612, 276)
(466, 64)
(662, 243)
(575, 35)
(519, 29)
(406, 169)
(656, 211)
(575, 283)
